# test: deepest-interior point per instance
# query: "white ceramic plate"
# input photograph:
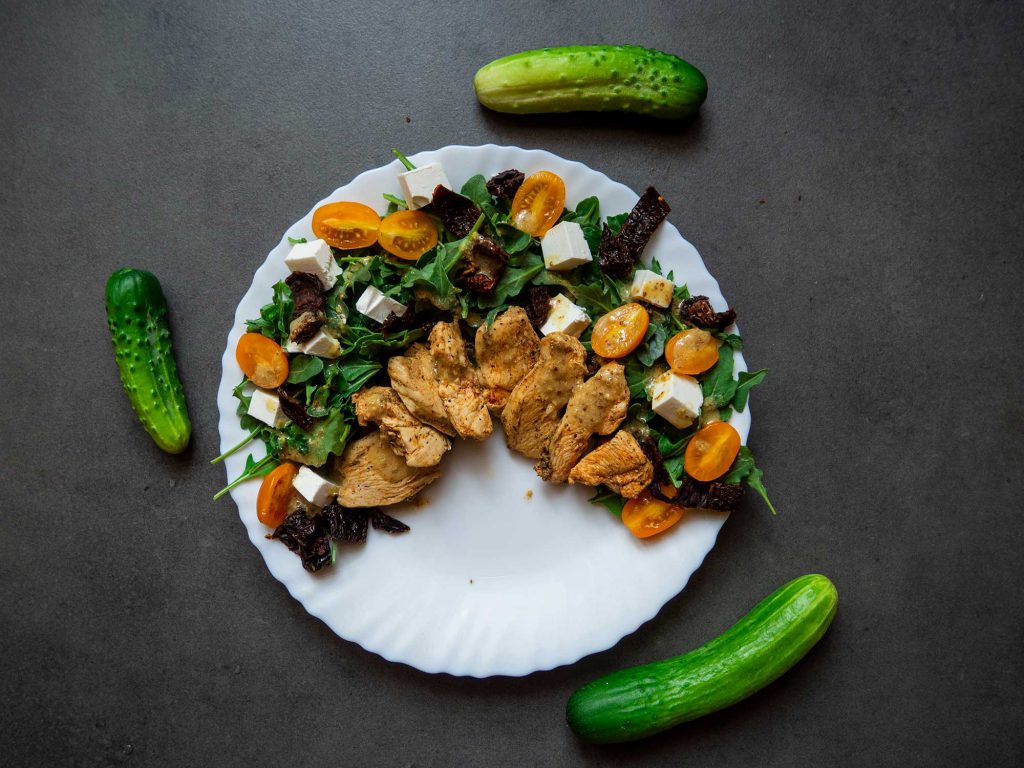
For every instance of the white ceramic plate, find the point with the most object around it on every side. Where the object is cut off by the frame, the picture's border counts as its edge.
(502, 574)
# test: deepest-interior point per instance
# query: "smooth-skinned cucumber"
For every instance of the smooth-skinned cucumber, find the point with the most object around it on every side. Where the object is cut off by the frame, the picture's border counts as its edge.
(645, 700)
(593, 78)
(137, 318)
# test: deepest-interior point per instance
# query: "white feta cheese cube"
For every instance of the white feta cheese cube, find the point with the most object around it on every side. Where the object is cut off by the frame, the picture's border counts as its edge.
(651, 287)
(376, 306)
(322, 345)
(564, 247)
(677, 399)
(418, 184)
(266, 406)
(314, 258)
(565, 317)
(313, 488)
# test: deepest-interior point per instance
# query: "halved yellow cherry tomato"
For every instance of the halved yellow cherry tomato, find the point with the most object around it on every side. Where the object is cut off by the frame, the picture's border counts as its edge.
(619, 332)
(645, 515)
(538, 203)
(346, 225)
(276, 490)
(691, 352)
(407, 234)
(262, 360)
(711, 451)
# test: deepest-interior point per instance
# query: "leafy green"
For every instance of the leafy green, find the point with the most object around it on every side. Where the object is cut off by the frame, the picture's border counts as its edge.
(475, 189)
(615, 222)
(729, 339)
(608, 499)
(588, 216)
(275, 316)
(744, 384)
(653, 345)
(636, 378)
(718, 386)
(296, 240)
(432, 272)
(328, 435)
(744, 469)
(252, 469)
(302, 368)
(513, 280)
(395, 203)
(403, 160)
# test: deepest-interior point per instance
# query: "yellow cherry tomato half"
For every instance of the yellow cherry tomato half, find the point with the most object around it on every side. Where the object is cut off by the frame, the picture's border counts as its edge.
(538, 203)
(619, 332)
(691, 352)
(275, 492)
(711, 451)
(346, 225)
(646, 516)
(262, 360)
(407, 234)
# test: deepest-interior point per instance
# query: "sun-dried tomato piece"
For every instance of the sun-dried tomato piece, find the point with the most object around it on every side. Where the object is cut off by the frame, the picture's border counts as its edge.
(294, 409)
(483, 263)
(307, 306)
(458, 214)
(308, 537)
(537, 305)
(697, 311)
(650, 210)
(384, 522)
(506, 183)
(354, 525)
(615, 261)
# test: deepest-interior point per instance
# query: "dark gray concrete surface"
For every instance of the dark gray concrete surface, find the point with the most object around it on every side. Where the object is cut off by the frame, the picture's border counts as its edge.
(855, 182)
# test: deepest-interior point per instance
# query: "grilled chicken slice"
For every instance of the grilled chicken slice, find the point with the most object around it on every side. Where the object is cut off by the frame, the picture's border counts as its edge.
(505, 353)
(458, 383)
(598, 405)
(535, 406)
(413, 379)
(373, 475)
(620, 464)
(421, 445)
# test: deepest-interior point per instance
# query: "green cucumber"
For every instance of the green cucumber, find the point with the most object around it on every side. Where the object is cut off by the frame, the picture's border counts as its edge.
(137, 318)
(595, 78)
(645, 700)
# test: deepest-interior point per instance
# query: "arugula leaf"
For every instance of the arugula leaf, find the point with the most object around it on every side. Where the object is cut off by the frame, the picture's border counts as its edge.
(303, 367)
(403, 160)
(725, 413)
(746, 382)
(729, 339)
(608, 499)
(719, 387)
(636, 379)
(513, 280)
(602, 294)
(475, 189)
(680, 293)
(328, 435)
(675, 469)
(395, 203)
(653, 345)
(351, 378)
(588, 216)
(252, 469)
(615, 222)
(296, 240)
(744, 469)
(433, 275)
(275, 316)
(655, 267)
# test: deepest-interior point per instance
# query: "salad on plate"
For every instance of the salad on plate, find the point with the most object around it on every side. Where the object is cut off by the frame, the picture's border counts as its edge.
(459, 310)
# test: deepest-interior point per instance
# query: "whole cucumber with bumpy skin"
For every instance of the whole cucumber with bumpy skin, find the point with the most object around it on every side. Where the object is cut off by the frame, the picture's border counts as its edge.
(137, 318)
(595, 78)
(756, 650)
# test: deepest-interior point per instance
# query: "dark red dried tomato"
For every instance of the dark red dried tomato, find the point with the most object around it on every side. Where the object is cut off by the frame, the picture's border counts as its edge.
(294, 409)
(506, 183)
(458, 214)
(537, 305)
(307, 306)
(619, 253)
(386, 523)
(697, 311)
